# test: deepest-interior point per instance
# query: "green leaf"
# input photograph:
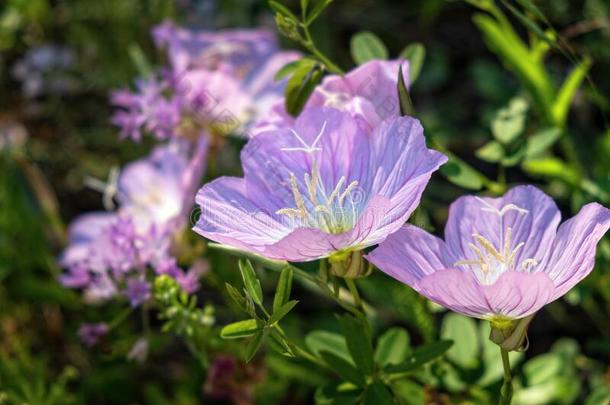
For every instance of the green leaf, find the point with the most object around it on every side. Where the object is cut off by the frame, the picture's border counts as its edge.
(491, 152)
(553, 168)
(343, 368)
(509, 47)
(421, 355)
(251, 282)
(461, 173)
(300, 86)
(236, 297)
(287, 69)
(317, 10)
(392, 347)
(241, 329)
(509, 121)
(404, 99)
(600, 395)
(541, 141)
(358, 338)
(254, 344)
(283, 10)
(282, 312)
(333, 394)
(377, 393)
(463, 331)
(416, 55)
(320, 340)
(366, 46)
(543, 368)
(282, 291)
(566, 93)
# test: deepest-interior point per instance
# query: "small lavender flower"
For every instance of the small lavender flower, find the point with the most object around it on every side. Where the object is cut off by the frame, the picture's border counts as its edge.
(369, 92)
(216, 81)
(108, 249)
(137, 291)
(45, 69)
(502, 259)
(91, 333)
(325, 186)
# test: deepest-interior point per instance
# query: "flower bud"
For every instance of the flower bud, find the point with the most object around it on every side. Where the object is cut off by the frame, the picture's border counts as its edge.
(287, 27)
(349, 264)
(510, 334)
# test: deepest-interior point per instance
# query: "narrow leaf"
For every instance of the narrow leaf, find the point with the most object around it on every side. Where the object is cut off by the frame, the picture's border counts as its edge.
(416, 55)
(251, 282)
(284, 286)
(283, 10)
(241, 329)
(254, 344)
(461, 173)
(404, 99)
(568, 90)
(317, 10)
(282, 312)
(366, 46)
(236, 297)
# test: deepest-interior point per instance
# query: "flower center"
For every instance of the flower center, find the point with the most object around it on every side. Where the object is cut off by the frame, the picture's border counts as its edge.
(491, 262)
(333, 212)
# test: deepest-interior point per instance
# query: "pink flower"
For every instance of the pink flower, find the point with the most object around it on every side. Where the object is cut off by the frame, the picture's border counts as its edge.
(502, 258)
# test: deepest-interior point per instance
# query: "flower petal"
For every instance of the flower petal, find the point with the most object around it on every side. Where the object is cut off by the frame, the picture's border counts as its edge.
(456, 290)
(409, 254)
(532, 216)
(228, 216)
(572, 255)
(519, 294)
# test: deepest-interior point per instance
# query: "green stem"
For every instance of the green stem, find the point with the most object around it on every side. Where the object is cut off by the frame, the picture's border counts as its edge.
(351, 284)
(506, 392)
(311, 47)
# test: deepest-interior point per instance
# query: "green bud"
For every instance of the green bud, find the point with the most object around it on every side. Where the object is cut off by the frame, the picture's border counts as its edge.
(349, 264)
(287, 27)
(510, 334)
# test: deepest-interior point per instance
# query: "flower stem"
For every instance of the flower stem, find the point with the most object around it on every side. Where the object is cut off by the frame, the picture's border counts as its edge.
(506, 392)
(354, 290)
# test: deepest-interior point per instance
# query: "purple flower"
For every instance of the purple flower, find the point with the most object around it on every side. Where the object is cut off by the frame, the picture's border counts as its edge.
(91, 333)
(146, 110)
(502, 258)
(219, 81)
(368, 92)
(137, 291)
(155, 195)
(324, 186)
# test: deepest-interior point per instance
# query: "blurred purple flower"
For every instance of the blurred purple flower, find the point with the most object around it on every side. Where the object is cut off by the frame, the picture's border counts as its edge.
(502, 258)
(91, 333)
(137, 290)
(218, 81)
(155, 196)
(324, 186)
(45, 69)
(369, 92)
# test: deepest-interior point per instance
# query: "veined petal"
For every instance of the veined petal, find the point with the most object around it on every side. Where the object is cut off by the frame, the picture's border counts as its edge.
(572, 255)
(409, 255)
(531, 215)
